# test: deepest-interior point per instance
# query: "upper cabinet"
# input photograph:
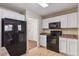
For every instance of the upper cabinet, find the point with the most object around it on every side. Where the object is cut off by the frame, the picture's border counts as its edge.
(20, 17)
(63, 19)
(45, 23)
(11, 14)
(67, 20)
(72, 20)
(7, 14)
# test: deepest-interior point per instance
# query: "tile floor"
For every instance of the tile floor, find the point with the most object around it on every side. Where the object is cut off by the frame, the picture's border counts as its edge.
(32, 44)
(34, 52)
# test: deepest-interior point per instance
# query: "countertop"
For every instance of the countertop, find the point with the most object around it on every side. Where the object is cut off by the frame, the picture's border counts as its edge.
(63, 35)
(44, 33)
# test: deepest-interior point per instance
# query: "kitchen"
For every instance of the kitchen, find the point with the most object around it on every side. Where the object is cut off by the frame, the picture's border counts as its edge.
(57, 32)
(67, 42)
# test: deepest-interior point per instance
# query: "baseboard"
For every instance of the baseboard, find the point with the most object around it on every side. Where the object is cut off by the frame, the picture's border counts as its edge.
(43, 46)
(64, 54)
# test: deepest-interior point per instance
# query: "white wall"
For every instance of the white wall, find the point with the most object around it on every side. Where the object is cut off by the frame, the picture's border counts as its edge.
(78, 30)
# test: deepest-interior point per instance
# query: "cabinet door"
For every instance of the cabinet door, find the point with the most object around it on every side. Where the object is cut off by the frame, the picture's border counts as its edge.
(73, 47)
(43, 41)
(19, 17)
(12, 15)
(55, 19)
(72, 20)
(8, 14)
(62, 45)
(68, 47)
(63, 19)
(45, 24)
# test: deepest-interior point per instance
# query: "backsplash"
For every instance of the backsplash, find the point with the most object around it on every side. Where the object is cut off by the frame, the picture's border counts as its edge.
(64, 31)
(70, 31)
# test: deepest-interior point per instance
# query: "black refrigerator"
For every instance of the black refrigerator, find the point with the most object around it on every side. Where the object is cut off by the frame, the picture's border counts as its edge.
(14, 36)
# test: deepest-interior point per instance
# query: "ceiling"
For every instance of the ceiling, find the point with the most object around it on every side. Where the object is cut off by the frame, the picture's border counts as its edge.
(34, 7)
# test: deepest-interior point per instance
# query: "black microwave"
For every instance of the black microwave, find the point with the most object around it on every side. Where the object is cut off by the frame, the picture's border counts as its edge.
(55, 25)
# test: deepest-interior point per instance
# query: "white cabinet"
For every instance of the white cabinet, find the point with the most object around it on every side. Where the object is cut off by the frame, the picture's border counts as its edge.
(63, 19)
(55, 19)
(12, 15)
(20, 17)
(44, 23)
(67, 21)
(72, 47)
(8, 14)
(43, 40)
(68, 46)
(72, 20)
(62, 45)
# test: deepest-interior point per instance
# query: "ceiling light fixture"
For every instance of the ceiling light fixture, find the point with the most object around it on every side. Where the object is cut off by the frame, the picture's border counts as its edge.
(44, 5)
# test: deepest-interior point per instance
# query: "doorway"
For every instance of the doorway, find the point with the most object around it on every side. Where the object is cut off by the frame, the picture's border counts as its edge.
(32, 33)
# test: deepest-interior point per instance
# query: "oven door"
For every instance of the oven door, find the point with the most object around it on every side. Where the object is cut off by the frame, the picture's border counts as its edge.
(53, 43)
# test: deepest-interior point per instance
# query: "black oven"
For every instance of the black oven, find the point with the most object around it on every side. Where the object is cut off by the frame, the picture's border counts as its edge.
(55, 25)
(53, 41)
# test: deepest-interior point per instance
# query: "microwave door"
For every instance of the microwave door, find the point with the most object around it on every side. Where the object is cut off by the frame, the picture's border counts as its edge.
(54, 25)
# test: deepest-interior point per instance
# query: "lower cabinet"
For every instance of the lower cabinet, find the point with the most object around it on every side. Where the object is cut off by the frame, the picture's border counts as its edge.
(72, 47)
(62, 45)
(68, 46)
(43, 40)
